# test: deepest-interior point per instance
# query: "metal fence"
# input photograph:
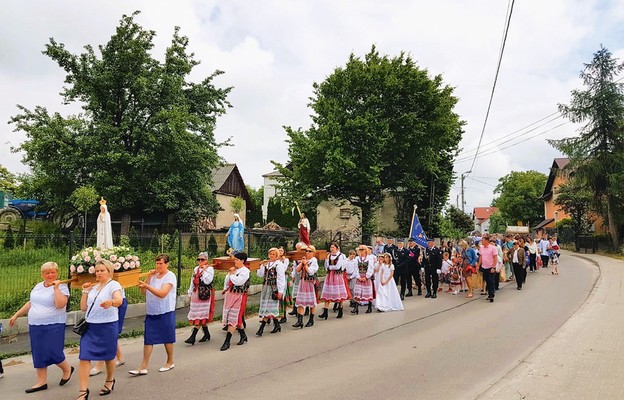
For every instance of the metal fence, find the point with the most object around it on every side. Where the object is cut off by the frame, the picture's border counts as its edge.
(22, 255)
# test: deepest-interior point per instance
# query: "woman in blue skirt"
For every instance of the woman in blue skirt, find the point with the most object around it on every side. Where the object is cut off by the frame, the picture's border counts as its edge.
(121, 311)
(160, 300)
(99, 302)
(46, 326)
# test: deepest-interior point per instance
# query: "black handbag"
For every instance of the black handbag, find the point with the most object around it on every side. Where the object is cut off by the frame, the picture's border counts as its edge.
(80, 328)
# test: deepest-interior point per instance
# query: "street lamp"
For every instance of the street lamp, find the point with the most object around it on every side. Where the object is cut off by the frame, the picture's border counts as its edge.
(463, 176)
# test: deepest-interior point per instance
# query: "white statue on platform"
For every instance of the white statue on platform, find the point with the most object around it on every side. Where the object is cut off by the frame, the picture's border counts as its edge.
(104, 231)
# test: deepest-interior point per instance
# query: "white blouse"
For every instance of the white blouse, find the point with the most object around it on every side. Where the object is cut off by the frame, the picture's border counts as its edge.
(238, 278)
(98, 314)
(42, 309)
(340, 264)
(280, 269)
(155, 305)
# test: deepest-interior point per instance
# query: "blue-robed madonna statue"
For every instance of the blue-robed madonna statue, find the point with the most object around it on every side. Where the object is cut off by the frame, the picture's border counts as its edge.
(235, 235)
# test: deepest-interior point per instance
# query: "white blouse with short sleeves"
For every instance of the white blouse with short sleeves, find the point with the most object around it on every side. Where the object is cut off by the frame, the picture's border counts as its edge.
(155, 305)
(42, 309)
(99, 314)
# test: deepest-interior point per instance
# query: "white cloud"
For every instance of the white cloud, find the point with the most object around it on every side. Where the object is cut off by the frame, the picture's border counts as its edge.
(272, 52)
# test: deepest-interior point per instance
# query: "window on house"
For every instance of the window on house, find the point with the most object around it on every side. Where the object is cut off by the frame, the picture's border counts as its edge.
(345, 213)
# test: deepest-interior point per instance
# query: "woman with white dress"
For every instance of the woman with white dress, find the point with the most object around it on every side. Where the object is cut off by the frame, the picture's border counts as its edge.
(46, 322)
(160, 300)
(388, 298)
(306, 295)
(273, 287)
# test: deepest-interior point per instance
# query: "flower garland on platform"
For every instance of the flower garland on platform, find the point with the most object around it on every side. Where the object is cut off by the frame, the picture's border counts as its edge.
(121, 257)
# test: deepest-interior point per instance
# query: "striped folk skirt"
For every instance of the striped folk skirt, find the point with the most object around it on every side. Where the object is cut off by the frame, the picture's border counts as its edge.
(296, 282)
(268, 306)
(363, 291)
(201, 311)
(287, 301)
(306, 296)
(234, 309)
(335, 287)
(47, 343)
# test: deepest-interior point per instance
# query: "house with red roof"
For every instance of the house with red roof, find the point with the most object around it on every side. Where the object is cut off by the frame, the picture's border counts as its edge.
(481, 218)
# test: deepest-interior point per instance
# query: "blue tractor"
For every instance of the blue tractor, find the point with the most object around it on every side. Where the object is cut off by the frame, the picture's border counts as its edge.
(16, 209)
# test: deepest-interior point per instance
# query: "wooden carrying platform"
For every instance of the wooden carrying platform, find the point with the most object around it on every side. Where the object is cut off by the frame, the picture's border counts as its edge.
(298, 255)
(225, 263)
(125, 278)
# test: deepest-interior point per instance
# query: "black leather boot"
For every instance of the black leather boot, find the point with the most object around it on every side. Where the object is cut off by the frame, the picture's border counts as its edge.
(276, 326)
(226, 344)
(243, 337)
(299, 323)
(323, 314)
(293, 312)
(310, 321)
(283, 320)
(307, 311)
(339, 313)
(335, 307)
(261, 329)
(419, 291)
(355, 309)
(206, 334)
(191, 339)
(370, 307)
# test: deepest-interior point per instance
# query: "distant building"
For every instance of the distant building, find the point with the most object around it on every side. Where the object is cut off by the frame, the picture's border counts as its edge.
(552, 213)
(481, 218)
(227, 185)
(270, 190)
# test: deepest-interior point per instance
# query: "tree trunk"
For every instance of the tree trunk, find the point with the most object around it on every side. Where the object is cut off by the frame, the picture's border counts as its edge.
(613, 227)
(367, 230)
(125, 224)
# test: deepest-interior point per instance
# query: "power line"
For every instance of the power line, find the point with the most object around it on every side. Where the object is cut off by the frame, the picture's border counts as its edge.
(500, 59)
(497, 149)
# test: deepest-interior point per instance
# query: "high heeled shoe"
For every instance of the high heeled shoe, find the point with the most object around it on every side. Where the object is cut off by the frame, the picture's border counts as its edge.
(84, 395)
(106, 391)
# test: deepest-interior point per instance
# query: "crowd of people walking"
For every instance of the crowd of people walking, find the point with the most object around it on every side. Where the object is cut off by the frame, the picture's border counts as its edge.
(376, 277)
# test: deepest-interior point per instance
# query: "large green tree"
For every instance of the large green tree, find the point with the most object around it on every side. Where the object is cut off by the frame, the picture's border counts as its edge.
(8, 183)
(379, 124)
(575, 199)
(519, 197)
(144, 139)
(455, 223)
(597, 153)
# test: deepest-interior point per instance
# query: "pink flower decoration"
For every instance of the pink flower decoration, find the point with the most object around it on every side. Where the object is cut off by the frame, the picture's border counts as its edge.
(72, 269)
(80, 269)
(98, 258)
(74, 258)
(138, 264)
(126, 265)
(135, 258)
(113, 258)
(132, 264)
(92, 270)
(84, 254)
(87, 258)
(122, 259)
(117, 266)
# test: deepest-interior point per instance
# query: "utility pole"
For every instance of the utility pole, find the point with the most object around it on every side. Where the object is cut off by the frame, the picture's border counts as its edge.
(463, 176)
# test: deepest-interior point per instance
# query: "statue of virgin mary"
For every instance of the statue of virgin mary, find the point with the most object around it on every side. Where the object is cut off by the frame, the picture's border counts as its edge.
(104, 231)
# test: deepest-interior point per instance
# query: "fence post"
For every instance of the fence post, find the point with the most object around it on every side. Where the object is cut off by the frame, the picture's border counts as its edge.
(71, 254)
(179, 259)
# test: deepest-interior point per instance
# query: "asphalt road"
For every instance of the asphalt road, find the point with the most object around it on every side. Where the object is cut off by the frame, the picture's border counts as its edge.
(444, 348)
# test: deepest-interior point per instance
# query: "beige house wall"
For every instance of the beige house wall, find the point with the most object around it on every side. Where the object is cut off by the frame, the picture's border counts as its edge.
(225, 216)
(335, 216)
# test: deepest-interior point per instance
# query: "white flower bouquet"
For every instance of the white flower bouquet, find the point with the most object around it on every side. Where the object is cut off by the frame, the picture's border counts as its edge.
(121, 257)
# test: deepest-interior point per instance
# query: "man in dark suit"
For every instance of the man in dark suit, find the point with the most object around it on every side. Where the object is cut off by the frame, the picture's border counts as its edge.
(401, 268)
(432, 262)
(413, 267)
(391, 249)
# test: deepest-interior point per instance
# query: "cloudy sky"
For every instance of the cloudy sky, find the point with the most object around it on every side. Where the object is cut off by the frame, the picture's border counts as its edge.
(273, 51)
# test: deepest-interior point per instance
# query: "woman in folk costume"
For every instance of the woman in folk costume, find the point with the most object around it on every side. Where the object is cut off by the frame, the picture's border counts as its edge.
(201, 293)
(364, 290)
(335, 287)
(295, 276)
(352, 273)
(306, 295)
(388, 298)
(273, 287)
(287, 300)
(235, 289)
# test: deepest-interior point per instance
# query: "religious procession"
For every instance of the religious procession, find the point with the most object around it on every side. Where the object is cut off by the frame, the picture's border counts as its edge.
(376, 277)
